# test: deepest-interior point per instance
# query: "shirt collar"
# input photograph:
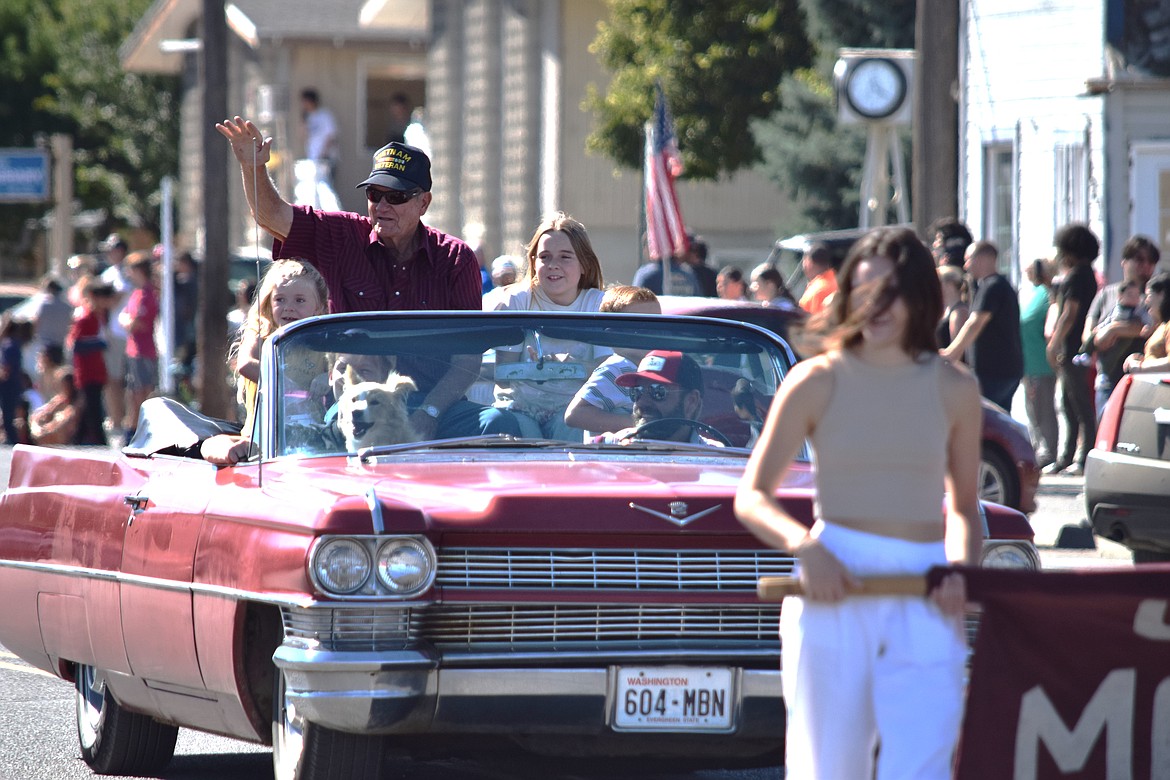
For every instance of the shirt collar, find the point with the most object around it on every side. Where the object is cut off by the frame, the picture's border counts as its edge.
(421, 234)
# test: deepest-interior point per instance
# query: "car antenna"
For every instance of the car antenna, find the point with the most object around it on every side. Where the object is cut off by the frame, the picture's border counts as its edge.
(256, 249)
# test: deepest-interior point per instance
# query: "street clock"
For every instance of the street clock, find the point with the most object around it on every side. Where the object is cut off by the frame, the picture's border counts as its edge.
(875, 88)
(874, 85)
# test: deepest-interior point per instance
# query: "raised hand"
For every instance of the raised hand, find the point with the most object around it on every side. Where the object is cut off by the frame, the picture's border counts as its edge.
(247, 142)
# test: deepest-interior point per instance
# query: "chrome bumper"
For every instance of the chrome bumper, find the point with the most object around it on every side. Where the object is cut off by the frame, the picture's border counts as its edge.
(406, 692)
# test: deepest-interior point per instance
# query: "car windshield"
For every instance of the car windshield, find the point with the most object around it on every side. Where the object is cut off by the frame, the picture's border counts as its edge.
(392, 382)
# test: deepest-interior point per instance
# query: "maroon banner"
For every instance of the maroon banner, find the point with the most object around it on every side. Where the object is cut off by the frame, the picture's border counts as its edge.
(1070, 678)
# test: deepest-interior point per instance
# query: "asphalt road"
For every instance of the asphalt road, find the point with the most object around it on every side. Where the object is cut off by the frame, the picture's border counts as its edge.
(38, 740)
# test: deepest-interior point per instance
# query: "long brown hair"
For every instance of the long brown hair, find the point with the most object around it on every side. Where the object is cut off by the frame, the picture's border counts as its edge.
(590, 265)
(914, 279)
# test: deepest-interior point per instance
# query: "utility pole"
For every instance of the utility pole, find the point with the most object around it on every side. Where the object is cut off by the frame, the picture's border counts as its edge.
(934, 184)
(61, 231)
(215, 398)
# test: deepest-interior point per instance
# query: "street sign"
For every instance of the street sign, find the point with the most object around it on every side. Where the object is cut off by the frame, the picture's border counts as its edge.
(24, 175)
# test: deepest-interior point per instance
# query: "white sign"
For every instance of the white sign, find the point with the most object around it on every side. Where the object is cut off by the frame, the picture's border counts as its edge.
(674, 698)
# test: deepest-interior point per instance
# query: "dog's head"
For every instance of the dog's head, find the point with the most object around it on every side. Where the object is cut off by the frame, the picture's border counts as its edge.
(374, 413)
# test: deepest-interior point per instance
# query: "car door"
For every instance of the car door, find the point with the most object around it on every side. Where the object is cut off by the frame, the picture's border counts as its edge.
(158, 558)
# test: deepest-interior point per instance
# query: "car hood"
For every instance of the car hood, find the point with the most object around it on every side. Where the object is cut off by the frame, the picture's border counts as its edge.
(542, 497)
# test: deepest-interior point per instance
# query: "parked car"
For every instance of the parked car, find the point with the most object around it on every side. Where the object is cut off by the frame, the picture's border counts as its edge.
(597, 599)
(1008, 473)
(19, 299)
(787, 252)
(1127, 473)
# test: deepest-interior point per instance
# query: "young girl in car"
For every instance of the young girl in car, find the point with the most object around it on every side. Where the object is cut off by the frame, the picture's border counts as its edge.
(291, 290)
(895, 432)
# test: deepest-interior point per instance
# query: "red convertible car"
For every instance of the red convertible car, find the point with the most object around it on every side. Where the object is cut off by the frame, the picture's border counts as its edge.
(353, 590)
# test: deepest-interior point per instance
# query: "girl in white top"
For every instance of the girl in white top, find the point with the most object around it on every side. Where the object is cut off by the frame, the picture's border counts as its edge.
(892, 426)
(564, 275)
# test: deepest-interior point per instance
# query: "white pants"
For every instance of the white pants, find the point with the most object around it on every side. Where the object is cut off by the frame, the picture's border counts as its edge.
(871, 669)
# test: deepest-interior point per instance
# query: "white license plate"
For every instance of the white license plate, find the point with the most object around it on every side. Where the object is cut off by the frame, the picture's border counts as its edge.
(674, 698)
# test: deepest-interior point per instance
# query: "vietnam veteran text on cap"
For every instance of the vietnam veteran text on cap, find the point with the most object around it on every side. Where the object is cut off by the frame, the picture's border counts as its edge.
(400, 167)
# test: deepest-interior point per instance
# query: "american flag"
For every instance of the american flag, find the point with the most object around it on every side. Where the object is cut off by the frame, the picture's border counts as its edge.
(666, 234)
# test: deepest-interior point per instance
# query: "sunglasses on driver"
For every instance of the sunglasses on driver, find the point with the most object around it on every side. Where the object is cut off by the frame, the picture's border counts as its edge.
(657, 391)
(393, 197)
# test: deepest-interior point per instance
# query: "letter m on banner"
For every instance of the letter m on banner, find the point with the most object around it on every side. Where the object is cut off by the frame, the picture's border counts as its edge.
(1071, 676)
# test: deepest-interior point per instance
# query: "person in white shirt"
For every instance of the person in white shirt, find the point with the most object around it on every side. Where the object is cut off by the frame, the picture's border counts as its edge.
(320, 128)
(600, 406)
(116, 249)
(564, 275)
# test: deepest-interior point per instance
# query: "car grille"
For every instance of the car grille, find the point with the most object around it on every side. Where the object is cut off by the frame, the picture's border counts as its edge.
(534, 628)
(645, 570)
(470, 627)
(348, 628)
(496, 627)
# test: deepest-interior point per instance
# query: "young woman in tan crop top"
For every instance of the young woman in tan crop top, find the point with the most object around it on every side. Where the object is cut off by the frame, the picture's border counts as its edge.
(893, 428)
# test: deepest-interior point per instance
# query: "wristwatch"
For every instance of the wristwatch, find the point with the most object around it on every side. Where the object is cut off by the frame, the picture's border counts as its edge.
(430, 410)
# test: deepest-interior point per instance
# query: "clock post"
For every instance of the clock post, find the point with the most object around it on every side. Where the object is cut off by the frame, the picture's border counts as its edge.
(874, 88)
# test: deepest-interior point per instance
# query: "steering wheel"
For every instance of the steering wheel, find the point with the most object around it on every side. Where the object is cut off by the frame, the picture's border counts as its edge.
(711, 430)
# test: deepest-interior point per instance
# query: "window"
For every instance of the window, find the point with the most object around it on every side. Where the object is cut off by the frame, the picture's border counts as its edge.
(391, 92)
(999, 208)
(1071, 184)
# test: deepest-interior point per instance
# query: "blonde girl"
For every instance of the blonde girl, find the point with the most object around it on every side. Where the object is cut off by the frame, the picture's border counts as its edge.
(291, 290)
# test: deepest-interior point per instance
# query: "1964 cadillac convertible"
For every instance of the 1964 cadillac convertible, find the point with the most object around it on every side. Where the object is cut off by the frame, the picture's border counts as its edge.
(338, 595)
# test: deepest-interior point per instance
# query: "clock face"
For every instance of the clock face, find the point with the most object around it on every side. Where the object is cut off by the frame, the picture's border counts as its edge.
(875, 88)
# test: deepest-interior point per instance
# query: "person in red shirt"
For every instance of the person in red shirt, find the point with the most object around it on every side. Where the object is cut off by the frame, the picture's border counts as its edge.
(138, 318)
(383, 260)
(87, 342)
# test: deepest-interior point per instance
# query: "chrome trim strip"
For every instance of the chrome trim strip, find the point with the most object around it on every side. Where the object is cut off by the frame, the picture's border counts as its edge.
(725, 656)
(375, 512)
(157, 583)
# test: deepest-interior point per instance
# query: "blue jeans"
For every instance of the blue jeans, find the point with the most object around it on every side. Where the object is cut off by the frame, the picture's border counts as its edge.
(1104, 389)
(999, 391)
(465, 418)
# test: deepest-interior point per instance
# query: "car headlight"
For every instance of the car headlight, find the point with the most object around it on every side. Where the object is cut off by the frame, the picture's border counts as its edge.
(406, 566)
(341, 566)
(1008, 556)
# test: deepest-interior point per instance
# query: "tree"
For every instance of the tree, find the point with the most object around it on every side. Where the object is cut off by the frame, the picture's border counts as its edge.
(59, 72)
(720, 65)
(817, 161)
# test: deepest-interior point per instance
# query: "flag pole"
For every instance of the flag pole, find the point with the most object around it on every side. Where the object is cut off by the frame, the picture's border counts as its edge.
(642, 253)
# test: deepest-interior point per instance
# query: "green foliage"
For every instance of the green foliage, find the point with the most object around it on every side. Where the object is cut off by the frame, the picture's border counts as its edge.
(59, 72)
(818, 162)
(876, 24)
(720, 65)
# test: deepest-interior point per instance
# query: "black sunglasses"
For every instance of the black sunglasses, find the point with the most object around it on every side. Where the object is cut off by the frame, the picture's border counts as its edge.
(657, 390)
(393, 197)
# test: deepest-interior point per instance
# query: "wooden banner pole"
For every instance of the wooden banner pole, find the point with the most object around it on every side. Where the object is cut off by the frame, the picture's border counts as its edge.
(776, 588)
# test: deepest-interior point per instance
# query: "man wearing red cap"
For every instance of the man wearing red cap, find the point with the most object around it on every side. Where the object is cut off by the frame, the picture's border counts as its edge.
(667, 390)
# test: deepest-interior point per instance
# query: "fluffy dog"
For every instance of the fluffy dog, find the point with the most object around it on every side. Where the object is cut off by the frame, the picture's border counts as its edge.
(374, 413)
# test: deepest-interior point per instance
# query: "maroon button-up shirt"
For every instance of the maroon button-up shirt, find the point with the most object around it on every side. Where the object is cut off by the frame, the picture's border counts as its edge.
(443, 273)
